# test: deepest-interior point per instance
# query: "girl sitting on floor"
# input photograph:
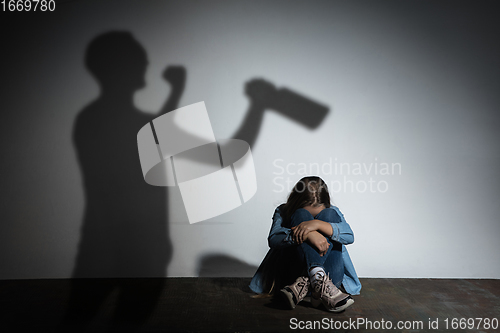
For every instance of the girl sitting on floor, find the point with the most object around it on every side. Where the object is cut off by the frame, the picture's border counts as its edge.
(308, 254)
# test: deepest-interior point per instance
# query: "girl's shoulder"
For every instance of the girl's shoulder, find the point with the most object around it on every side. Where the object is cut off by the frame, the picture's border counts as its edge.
(335, 208)
(279, 208)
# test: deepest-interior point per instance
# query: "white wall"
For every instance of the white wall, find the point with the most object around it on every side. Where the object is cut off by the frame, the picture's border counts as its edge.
(415, 84)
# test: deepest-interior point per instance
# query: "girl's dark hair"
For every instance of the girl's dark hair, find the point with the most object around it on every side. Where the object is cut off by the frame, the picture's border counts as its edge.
(310, 190)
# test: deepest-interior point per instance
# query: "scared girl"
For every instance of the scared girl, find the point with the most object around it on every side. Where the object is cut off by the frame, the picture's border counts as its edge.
(307, 241)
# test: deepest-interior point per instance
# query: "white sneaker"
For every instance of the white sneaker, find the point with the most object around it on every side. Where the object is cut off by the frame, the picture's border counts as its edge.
(325, 292)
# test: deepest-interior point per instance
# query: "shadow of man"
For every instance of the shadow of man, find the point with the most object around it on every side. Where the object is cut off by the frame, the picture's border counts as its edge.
(125, 229)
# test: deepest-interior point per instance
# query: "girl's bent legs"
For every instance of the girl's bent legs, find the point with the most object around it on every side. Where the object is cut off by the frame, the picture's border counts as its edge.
(332, 261)
(308, 255)
(334, 264)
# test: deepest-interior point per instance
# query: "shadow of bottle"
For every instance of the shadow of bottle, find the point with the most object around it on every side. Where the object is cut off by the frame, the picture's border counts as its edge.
(212, 156)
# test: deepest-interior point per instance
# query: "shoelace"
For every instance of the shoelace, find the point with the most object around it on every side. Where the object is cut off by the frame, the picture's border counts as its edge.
(303, 285)
(325, 285)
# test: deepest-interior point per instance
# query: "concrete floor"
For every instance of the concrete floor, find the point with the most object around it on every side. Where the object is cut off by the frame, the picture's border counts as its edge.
(226, 305)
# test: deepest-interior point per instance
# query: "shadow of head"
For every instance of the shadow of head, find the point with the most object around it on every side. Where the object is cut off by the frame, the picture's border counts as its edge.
(117, 60)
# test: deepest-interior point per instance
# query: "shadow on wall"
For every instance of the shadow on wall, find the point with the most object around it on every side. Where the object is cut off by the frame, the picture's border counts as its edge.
(221, 265)
(125, 228)
(263, 96)
(125, 225)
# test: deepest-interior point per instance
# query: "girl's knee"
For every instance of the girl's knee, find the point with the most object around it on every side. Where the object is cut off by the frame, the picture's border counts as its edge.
(300, 215)
(328, 215)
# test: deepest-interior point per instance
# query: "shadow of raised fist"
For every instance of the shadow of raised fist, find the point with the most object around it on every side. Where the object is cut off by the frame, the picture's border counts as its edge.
(175, 75)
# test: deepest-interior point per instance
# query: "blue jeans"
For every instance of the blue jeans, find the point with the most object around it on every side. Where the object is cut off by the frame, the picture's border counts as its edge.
(308, 256)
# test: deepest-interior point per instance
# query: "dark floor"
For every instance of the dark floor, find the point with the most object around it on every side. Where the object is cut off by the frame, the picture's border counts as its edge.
(226, 305)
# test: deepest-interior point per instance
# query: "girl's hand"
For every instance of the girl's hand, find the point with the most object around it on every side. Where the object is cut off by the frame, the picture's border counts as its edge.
(318, 241)
(300, 232)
